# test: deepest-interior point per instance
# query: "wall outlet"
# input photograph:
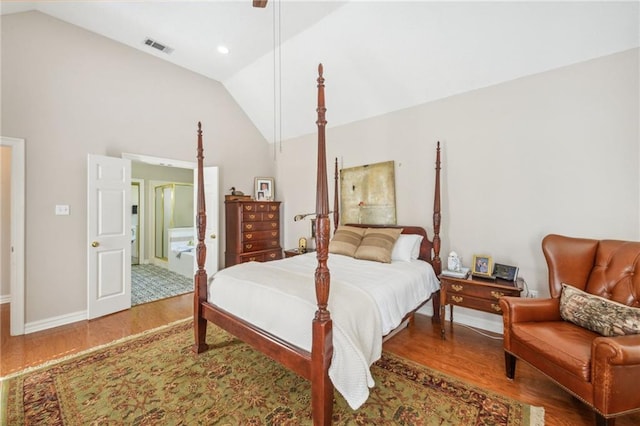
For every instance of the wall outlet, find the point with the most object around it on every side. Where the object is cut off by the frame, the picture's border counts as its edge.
(533, 293)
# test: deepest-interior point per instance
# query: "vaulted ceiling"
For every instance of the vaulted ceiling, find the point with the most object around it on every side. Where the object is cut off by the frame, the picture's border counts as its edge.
(379, 56)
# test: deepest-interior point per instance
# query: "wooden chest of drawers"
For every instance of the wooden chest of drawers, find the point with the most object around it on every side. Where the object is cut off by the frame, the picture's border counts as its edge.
(252, 231)
(473, 294)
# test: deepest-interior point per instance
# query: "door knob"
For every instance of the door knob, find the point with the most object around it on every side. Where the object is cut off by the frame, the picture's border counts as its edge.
(212, 236)
(95, 244)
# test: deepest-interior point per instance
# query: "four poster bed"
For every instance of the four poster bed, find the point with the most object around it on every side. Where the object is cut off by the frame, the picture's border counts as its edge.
(268, 305)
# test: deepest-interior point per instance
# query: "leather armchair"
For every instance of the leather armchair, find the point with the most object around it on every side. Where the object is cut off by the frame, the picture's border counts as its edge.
(603, 372)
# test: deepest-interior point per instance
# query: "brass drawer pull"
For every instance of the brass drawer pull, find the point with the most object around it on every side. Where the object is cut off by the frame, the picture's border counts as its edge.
(457, 299)
(274, 225)
(271, 215)
(252, 216)
(457, 287)
(252, 258)
(248, 236)
(496, 307)
(274, 233)
(497, 294)
(248, 208)
(274, 208)
(248, 246)
(248, 226)
(272, 255)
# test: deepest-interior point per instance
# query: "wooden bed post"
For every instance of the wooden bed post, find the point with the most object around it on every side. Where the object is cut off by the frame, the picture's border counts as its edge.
(436, 261)
(336, 201)
(322, 344)
(200, 278)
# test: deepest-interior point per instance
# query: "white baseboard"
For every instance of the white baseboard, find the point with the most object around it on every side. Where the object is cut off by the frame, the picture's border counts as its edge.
(5, 298)
(470, 317)
(48, 323)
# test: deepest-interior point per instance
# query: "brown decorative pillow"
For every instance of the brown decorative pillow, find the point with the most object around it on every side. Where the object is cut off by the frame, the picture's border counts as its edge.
(598, 314)
(377, 244)
(346, 240)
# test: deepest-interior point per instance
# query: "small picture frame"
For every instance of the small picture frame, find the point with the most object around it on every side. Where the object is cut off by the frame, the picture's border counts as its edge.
(482, 265)
(265, 189)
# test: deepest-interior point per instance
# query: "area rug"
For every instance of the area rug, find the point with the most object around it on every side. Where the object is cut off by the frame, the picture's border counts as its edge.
(154, 378)
(151, 282)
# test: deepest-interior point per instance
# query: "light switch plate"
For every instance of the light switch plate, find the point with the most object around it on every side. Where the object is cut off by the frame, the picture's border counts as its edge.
(62, 210)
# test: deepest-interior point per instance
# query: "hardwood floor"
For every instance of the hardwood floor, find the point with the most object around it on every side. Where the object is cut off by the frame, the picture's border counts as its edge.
(466, 354)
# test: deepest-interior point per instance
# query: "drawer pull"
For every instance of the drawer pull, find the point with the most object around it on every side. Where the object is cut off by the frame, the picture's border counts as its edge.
(497, 294)
(496, 307)
(274, 233)
(248, 226)
(248, 208)
(252, 258)
(274, 225)
(261, 207)
(252, 216)
(248, 246)
(457, 287)
(248, 236)
(272, 255)
(457, 299)
(271, 215)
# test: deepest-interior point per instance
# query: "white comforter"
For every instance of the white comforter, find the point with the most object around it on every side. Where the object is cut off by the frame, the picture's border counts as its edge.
(367, 300)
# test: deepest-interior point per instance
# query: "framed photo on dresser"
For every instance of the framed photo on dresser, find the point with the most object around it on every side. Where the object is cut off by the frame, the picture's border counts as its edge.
(265, 189)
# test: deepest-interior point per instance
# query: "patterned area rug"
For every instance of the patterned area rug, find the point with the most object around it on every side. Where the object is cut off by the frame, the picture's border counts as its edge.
(151, 282)
(154, 378)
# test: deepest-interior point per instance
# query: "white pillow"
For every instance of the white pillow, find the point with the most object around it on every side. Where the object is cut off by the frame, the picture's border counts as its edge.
(407, 247)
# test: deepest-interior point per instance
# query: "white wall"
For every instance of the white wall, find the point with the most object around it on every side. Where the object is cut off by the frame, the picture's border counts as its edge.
(556, 152)
(69, 92)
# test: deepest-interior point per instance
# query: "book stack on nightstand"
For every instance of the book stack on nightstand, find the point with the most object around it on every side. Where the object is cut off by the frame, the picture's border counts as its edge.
(462, 273)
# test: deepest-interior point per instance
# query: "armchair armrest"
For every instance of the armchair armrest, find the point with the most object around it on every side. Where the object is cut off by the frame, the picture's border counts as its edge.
(619, 350)
(518, 309)
(615, 367)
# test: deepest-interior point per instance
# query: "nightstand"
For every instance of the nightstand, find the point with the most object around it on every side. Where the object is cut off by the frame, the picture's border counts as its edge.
(473, 293)
(295, 252)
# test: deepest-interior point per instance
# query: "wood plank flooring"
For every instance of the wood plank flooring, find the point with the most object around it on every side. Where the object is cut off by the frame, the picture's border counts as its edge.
(466, 354)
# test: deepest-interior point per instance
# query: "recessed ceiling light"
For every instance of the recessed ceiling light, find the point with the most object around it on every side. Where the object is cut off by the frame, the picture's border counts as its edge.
(223, 49)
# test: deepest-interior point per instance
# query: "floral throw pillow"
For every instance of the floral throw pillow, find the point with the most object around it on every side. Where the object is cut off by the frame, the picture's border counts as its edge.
(598, 314)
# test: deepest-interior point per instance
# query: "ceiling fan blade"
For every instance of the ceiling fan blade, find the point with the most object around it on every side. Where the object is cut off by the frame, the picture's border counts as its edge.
(259, 3)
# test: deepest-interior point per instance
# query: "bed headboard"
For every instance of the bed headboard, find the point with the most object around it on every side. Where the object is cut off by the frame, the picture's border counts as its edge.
(429, 249)
(426, 247)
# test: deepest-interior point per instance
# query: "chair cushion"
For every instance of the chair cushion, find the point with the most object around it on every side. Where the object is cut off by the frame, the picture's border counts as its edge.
(598, 314)
(559, 343)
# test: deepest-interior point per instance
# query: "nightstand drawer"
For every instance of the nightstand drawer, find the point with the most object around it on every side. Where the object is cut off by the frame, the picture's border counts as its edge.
(472, 302)
(483, 292)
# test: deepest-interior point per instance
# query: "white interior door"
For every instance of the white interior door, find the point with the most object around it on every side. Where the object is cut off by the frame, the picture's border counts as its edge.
(109, 235)
(211, 239)
(17, 219)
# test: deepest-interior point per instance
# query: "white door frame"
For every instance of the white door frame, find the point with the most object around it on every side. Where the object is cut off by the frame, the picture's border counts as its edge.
(18, 188)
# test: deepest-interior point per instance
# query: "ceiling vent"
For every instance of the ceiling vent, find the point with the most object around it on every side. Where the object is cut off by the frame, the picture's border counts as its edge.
(161, 47)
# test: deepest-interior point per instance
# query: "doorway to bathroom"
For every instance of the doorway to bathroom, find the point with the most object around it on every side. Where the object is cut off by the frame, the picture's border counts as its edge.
(163, 229)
